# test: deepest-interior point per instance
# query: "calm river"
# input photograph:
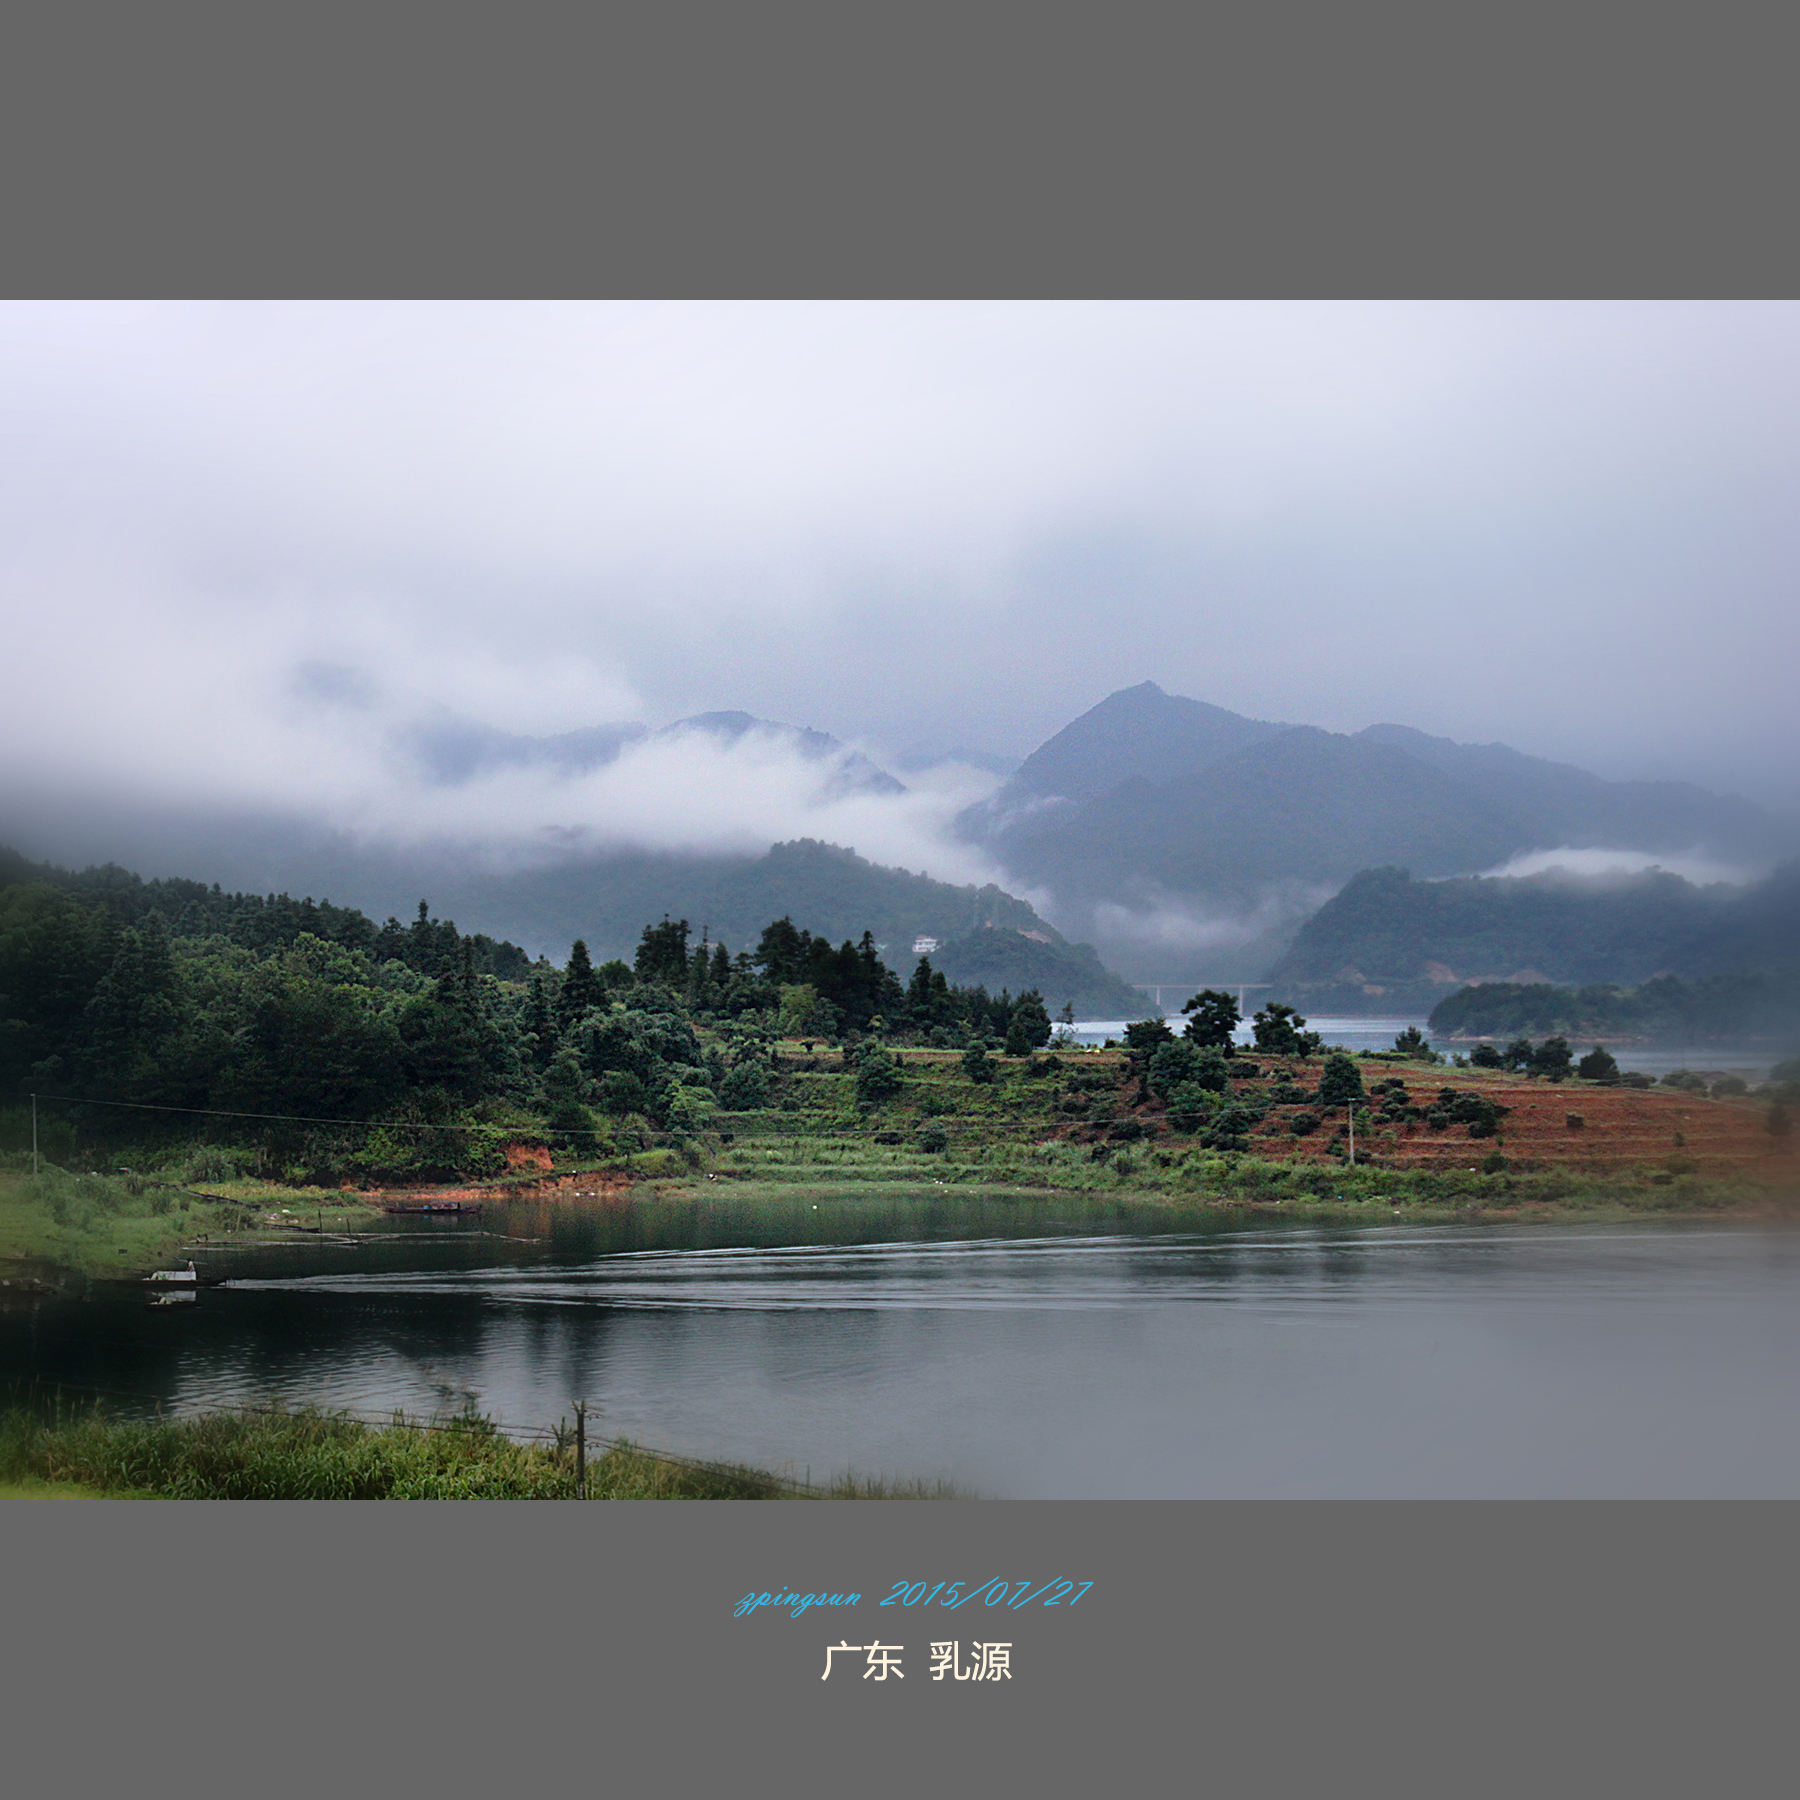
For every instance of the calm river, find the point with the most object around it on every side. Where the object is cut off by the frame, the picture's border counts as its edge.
(1021, 1347)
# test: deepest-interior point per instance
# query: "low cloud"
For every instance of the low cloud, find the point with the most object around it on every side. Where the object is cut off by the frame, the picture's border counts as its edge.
(298, 559)
(938, 524)
(1178, 925)
(367, 748)
(1597, 865)
(688, 791)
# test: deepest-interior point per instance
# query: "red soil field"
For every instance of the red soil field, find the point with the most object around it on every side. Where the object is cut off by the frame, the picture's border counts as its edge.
(1621, 1128)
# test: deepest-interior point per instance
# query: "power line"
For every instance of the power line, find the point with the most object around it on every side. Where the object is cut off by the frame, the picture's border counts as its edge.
(219, 1112)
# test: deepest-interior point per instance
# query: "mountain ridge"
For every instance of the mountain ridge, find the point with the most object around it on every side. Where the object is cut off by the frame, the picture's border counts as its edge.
(1152, 806)
(1390, 938)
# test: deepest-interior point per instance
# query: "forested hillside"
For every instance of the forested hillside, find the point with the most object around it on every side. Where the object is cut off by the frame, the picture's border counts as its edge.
(1065, 974)
(1389, 939)
(1760, 1006)
(167, 1007)
(823, 887)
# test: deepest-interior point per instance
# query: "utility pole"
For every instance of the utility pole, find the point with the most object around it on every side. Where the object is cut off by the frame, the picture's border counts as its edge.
(1351, 1109)
(34, 1135)
(580, 1449)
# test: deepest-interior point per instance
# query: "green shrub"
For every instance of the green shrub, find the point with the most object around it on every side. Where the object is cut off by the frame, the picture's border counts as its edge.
(1191, 1105)
(1477, 1111)
(688, 1109)
(216, 1162)
(745, 1087)
(623, 1092)
(1229, 1127)
(878, 1077)
(1182, 1064)
(1340, 1081)
(1147, 1034)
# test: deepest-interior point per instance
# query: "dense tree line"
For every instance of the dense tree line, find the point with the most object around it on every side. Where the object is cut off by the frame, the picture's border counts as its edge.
(260, 922)
(232, 1004)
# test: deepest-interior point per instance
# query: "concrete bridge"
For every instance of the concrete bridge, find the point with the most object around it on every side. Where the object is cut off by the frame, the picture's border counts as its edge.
(1187, 989)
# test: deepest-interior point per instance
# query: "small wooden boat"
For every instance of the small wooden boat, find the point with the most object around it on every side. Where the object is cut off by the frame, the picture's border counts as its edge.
(172, 1287)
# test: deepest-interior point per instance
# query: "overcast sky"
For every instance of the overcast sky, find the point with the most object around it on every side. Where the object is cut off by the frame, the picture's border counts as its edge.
(244, 547)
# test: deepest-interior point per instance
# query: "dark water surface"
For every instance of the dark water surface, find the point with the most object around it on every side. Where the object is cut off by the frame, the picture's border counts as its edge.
(1022, 1348)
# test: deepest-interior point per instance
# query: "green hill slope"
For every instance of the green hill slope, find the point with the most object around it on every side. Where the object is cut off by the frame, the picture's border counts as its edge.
(1390, 940)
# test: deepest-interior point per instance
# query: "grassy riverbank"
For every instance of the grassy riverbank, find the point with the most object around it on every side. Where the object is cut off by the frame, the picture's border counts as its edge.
(120, 1225)
(318, 1456)
(1083, 1123)
(1256, 1192)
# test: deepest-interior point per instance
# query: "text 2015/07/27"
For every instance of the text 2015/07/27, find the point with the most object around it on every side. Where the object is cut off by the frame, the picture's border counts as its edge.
(948, 1594)
(991, 1593)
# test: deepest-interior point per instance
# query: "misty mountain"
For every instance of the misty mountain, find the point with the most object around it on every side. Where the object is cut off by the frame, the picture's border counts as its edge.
(458, 750)
(1562, 805)
(987, 937)
(991, 938)
(1150, 800)
(918, 761)
(1137, 733)
(1391, 941)
(829, 891)
(455, 751)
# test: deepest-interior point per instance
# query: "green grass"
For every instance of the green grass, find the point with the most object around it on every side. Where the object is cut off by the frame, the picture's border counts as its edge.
(1004, 1135)
(118, 1226)
(30, 1488)
(309, 1455)
(1008, 1135)
(1187, 1176)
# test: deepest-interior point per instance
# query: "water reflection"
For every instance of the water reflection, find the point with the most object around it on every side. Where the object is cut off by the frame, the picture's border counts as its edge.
(1025, 1346)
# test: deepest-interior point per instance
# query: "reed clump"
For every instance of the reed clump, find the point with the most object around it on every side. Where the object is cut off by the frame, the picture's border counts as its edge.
(313, 1455)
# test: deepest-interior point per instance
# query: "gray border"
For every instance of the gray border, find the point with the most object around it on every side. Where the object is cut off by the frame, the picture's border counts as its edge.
(1246, 1649)
(1385, 149)
(1239, 1648)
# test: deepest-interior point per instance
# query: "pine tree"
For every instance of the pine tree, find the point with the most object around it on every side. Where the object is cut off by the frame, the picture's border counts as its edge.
(699, 978)
(581, 989)
(565, 1091)
(540, 1025)
(1212, 1018)
(662, 953)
